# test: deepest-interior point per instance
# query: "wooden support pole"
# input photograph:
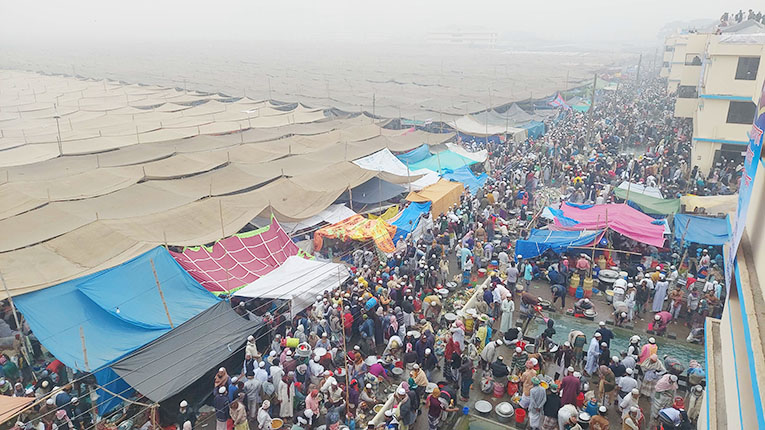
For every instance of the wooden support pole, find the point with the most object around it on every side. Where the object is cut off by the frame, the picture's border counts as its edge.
(84, 349)
(161, 294)
(24, 339)
(682, 244)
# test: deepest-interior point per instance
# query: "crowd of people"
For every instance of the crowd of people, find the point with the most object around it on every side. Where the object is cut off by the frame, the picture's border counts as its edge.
(730, 18)
(394, 309)
(376, 349)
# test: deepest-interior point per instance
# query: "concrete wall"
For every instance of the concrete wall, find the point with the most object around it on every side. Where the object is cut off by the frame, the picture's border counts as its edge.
(720, 75)
(685, 108)
(702, 154)
(711, 117)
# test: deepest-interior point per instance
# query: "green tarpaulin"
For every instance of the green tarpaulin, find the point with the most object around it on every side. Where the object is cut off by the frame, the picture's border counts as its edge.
(649, 204)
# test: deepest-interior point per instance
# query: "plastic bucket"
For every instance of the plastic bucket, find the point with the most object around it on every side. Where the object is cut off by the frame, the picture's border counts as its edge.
(520, 415)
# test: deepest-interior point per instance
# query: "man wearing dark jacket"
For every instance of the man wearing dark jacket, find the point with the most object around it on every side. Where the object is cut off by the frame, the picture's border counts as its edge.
(221, 409)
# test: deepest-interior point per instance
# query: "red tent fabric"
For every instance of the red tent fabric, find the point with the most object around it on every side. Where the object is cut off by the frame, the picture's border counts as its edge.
(238, 260)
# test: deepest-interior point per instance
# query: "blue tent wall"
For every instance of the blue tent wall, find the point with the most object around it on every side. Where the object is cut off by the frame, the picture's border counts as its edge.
(466, 177)
(534, 129)
(701, 229)
(540, 241)
(118, 310)
(410, 213)
(415, 155)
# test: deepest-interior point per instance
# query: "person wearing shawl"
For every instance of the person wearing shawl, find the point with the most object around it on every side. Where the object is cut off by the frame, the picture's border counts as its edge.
(652, 369)
(359, 368)
(696, 373)
(393, 349)
(607, 384)
(391, 328)
(222, 379)
(537, 399)
(664, 394)
(648, 350)
(300, 334)
(419, 378)
(551, 407)
(630, 421)
(238, 415)
(458, 333)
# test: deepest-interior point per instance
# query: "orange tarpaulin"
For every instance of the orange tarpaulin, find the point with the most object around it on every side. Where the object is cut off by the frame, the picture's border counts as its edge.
(358, 228)
(443, 194)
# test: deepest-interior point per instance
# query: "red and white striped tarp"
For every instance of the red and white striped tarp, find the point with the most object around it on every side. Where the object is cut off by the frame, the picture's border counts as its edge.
(238, 260)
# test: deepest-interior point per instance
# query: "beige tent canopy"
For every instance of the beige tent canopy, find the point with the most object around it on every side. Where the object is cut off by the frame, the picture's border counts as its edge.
(147, 165)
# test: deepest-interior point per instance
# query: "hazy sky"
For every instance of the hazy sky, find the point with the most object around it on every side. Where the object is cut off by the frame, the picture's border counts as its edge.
(103, 20)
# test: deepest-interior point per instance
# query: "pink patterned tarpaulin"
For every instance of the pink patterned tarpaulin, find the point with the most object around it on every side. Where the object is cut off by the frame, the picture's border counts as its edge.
(238, 260)
(621, 218)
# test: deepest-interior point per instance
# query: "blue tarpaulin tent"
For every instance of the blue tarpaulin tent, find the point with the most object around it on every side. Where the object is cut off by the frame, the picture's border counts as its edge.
(534, 129)
(540, 241)
(701, 229)
(116, 310)
(442, 160)
(466, 176)
(415, 155)
(410, 214)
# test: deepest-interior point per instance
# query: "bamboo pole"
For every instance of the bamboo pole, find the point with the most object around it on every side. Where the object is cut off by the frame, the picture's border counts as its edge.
(161, 294)
(24, 339)
(682, 244)
(84, 349)
(345, 349)
(592, 257)
(408, 176)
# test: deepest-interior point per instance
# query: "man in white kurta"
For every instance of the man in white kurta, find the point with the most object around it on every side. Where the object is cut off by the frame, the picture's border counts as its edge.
(593, 353)
(660, 294)
(508, 308)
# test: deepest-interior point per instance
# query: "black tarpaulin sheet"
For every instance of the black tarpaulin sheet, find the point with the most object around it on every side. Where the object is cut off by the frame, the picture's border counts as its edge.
(178, 358)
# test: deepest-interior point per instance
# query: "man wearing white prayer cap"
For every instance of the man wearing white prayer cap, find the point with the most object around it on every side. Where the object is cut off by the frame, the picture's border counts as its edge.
(264, 417)
(221, 409)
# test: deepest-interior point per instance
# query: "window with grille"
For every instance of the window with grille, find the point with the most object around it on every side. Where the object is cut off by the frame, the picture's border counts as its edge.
(741, 112)
(747, 68)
